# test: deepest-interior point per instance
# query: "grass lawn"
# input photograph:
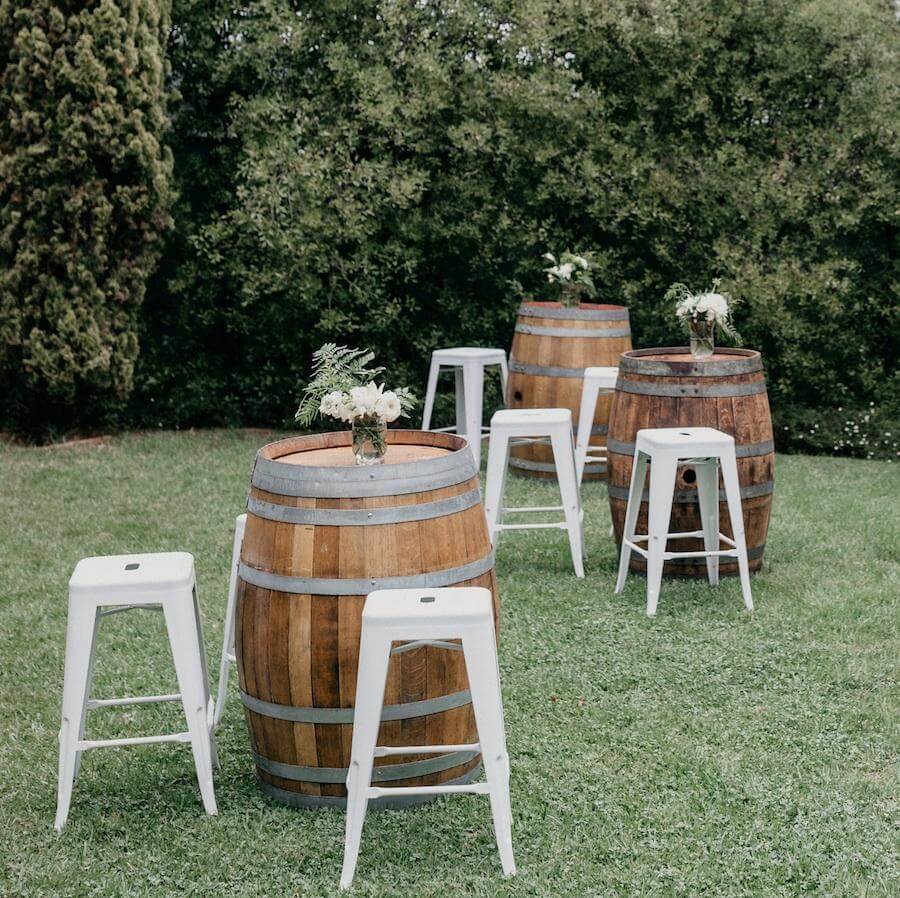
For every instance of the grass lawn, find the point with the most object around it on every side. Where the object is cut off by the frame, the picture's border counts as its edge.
(706, 752)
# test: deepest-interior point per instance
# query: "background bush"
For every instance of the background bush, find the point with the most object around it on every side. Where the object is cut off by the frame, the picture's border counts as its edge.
(84, 197)
(388, 174)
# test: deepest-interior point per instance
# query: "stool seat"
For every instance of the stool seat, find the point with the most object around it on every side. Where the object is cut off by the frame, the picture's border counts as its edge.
(439, 606)
(128, 575)
(469, 353)
(693, 440)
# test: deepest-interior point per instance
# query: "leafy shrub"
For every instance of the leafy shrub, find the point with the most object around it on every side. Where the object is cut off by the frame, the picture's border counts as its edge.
(84, 196)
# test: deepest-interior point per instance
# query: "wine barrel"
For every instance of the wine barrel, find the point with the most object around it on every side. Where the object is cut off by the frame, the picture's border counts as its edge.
(669, 388)
(321, 534)
(551, 348)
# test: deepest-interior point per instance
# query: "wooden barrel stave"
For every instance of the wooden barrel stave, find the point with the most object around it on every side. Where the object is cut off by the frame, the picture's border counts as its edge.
(545, 339)
(746, 417)
(314, 670)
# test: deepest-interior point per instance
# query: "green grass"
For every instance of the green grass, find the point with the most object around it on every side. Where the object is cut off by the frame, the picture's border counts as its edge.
(706, 752)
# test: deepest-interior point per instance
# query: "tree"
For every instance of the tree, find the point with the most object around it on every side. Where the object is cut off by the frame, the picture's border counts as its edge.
(85, 192)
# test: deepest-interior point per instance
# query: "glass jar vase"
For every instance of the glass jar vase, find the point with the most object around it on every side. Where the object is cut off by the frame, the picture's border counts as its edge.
(369, 440)
(703, 343)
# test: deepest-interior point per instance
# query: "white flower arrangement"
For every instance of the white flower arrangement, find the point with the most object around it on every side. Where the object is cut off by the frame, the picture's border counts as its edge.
(572, 274)
(343, 387)
(704, 310)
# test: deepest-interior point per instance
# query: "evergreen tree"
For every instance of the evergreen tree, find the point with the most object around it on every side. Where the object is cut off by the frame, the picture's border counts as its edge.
(85, 192)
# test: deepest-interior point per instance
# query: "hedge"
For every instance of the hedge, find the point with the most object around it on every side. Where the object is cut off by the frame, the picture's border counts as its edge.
(84, 197)
(388, 174)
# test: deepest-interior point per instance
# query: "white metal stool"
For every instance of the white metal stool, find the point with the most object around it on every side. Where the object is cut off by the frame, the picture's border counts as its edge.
(106, 585)
(228, 654)
(708, 451)
(391, 615)
(530, 424)
(468, 363)
(595, 380)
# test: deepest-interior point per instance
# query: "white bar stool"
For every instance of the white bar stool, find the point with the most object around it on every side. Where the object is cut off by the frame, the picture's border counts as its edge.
(532, 424)
(228, 654)
(389, 615)
(595, 380)
(468, 363)
(107, 585)
(708, 451)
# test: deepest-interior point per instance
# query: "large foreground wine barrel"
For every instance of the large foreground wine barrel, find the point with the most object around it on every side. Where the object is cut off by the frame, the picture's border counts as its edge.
(551, 348)
(321, 534)
(670, 388)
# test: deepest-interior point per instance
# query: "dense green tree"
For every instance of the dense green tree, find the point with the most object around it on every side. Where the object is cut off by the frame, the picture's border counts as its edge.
(85, 190)
(387, 174)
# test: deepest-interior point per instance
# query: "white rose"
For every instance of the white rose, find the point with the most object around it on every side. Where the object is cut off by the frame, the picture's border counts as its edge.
(565, 271)
(581, 262)
(686, 307)
(332, 404)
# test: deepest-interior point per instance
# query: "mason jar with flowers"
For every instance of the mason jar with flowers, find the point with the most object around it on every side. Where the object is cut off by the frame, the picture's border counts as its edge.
(343, 387)
(571, 275)
(701, 313)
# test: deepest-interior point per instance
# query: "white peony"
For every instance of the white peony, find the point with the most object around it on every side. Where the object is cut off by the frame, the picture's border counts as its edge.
(686, 307)
(389, 406)
(713, 305)
(333, 404)
(565, 271)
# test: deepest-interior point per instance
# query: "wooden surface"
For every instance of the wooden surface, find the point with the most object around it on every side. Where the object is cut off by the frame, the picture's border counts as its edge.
(302, 649)
(342, 456)
(746, 418)
(539, 391)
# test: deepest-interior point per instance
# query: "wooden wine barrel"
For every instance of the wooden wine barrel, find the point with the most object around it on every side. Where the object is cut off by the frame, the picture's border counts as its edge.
(669, 388)
(551, 348)
(321, 534)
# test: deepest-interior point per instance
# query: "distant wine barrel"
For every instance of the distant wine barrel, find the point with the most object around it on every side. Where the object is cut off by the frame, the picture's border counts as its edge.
(321, 534)
(551, 348)
(669, 388)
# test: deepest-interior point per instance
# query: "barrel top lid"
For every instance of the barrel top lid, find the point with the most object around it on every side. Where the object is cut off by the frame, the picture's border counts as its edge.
(677, 361)
(342, 456)
(586, 306)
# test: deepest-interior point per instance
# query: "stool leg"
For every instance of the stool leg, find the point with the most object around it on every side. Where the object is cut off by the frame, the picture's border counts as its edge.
(585, 423)
(87, 692)
(374, 656)
(80, 628)
(228, 639)
(433, 371)
(504, 377)
(736, 514)
(564, 461)
(632, 510)
(473, 386)
(662, 489)
(187, 654)
(460, 394)
(708, 495)
(480, 650)
(498, 458)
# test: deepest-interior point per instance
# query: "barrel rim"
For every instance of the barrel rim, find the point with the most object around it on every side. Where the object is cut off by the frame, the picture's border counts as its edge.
(638, 361)
(360, 481)
(599, 312)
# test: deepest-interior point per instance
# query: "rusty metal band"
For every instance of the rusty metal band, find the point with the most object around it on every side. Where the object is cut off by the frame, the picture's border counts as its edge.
(315, 802)
(362, 517)
(618, 314)
(585, 333)
(690, 391)
(548, 467)
(345, 715)
(745, 450)
(544, 370)
(336, 586)
(640, 361)
(689, 497)
(384, 774)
